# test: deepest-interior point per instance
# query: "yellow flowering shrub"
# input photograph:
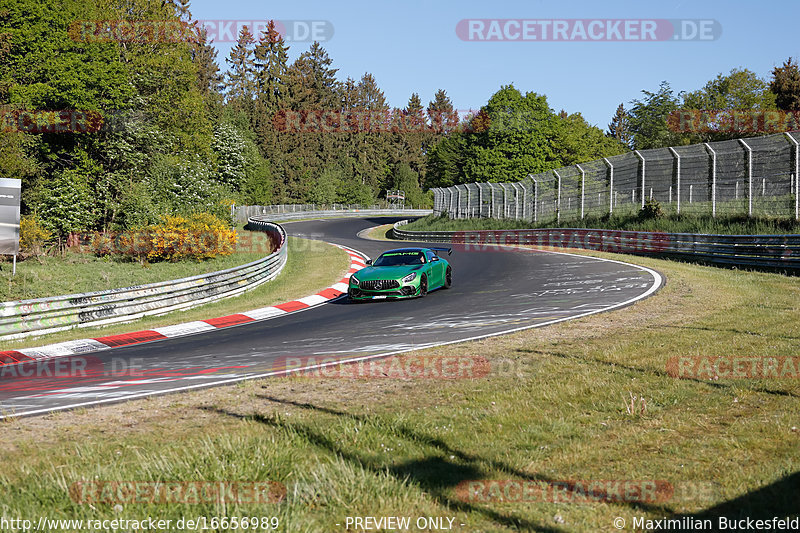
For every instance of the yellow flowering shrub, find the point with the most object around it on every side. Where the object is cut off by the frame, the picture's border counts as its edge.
(32, 235)
(197, 236)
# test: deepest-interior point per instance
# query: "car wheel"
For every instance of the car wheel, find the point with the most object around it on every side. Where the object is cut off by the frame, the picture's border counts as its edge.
(423, 286)
(448, 278)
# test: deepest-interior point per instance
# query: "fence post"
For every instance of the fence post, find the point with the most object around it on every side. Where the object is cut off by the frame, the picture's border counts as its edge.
(677, 178)
(480, 200)
(796, 176)
(749, 178)
(524, 200)
(469, 201)
(583, 188)
(558, 201)
(713, 179)
(535, 199)
(610, 186)
(641, 157)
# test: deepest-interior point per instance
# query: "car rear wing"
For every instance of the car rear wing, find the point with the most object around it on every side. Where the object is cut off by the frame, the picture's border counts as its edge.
(448, 250)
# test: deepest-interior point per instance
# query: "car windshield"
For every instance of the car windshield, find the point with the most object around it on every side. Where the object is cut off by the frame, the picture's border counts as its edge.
(400, 258)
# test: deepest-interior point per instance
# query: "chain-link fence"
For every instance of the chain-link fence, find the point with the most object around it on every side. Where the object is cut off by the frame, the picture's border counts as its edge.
(759, 176)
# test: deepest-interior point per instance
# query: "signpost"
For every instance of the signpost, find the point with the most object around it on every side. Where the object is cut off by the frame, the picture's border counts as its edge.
(396, 198)
(10, 190)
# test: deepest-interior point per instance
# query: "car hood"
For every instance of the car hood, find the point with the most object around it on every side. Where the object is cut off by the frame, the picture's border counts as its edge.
(387, 272)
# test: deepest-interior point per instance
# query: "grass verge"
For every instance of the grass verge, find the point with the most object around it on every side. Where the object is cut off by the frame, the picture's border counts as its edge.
(739, 225)
(552, 408)
(311, 266)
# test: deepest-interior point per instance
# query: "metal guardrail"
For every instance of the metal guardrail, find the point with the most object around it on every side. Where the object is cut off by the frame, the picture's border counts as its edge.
(773, 252)
(341, 213)
(47, 315)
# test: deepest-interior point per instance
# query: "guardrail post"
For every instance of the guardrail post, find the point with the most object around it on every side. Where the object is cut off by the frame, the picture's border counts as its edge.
(796, 177)
(713, 179)
(641, 157)
(610, 186)
(749, 177)
(583, 188)
(677, 179)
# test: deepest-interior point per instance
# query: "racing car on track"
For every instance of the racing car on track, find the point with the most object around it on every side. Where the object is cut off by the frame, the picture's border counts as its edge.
(402, 273)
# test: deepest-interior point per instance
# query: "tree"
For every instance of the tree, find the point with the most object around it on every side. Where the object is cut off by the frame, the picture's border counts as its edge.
(271, 65)
(406, 180)
(648, 119)
(209, 80)
(311, 82)
(785, 85)
(619, 128)
(240, 84)
(441, 114)
(517, 141)
(740, 89)
(328, 184)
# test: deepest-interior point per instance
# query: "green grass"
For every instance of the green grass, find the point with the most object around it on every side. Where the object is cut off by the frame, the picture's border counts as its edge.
(553, 408)
(630, 220)
(311, 266)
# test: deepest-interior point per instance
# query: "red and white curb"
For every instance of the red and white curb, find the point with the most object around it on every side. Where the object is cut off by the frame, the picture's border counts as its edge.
(83, 346)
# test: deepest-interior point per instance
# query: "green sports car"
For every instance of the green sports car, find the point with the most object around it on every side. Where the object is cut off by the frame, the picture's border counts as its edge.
(401, 273)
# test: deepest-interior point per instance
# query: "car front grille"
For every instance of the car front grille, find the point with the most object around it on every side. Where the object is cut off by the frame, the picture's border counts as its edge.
(379, 284)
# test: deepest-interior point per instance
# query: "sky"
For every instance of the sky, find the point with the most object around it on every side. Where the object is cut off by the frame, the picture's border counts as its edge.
(414, 46)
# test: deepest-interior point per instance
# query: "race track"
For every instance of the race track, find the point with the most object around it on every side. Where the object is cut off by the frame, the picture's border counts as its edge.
(494, 291)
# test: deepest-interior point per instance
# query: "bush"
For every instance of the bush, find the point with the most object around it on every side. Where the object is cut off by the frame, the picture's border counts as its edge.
(198, 236)
(652, 209)
(32, 235)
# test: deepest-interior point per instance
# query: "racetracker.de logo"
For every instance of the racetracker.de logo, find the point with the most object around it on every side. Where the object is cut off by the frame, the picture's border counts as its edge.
(177, 492)
(650, 491)
(393, 367)
(618, 241)
(588, 30)
(292, 31)
(178, 31)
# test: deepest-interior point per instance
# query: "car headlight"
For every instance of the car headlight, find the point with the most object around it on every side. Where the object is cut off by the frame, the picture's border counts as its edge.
(410, 277)
(354, 280)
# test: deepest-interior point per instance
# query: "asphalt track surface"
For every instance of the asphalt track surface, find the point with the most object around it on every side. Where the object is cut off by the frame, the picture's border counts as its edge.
(494, 291)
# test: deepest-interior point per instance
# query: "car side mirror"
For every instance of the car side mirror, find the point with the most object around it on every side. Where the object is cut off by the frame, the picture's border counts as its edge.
(369, 261)
(435, 258)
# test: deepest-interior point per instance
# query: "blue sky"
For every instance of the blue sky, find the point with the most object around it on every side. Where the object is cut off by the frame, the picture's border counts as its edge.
(413, 47)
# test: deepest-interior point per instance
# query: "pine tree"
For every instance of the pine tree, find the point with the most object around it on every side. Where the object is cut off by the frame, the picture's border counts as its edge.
(240, 84)
(786, 86)
(271, 65)
(619, 128)
(441, 114)
(209, 79)
(311, 82)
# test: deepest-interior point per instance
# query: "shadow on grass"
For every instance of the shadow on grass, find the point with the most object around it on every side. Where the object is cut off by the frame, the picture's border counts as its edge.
(735, 331)
(436, 475)
(660, 373)
(779, 499)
